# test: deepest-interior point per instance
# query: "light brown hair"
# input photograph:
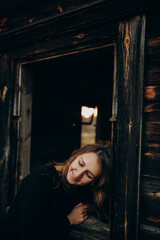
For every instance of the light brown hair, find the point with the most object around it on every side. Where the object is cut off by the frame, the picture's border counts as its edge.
(100, 187)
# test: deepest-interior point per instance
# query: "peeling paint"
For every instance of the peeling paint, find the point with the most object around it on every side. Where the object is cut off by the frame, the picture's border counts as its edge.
(149, 108)
(154, 195)
(153, 155)
(148, 154)
(154, 145)
(81, 35)
(31, 19)
(150, 92)
(3, 95)
(3, 22)
(60, 9)
(3, 29)
(154, 219)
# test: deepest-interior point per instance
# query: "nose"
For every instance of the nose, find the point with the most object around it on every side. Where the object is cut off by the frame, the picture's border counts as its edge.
(79, 173)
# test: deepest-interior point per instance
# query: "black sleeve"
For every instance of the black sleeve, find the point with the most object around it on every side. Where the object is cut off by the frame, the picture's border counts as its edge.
(34, 224)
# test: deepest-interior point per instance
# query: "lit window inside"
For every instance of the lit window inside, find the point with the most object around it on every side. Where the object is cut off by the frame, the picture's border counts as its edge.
(88, 127)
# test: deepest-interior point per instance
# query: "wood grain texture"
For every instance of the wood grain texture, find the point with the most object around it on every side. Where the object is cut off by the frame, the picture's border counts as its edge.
(30, 13)
(91, 229)
(32, 30)
(151, 161)
(147, 233)
(150, 186)
(130, 69)
(5, 118)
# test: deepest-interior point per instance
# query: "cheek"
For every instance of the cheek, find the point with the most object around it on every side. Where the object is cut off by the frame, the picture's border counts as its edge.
(86, 180)
(73, 165)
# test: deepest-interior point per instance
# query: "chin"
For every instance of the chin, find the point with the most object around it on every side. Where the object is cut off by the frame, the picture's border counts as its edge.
(70, 181)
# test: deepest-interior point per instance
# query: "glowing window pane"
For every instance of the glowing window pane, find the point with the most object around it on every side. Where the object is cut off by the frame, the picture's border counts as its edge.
(88, 127)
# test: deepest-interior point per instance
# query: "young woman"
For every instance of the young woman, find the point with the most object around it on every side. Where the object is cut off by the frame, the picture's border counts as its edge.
(57, 196)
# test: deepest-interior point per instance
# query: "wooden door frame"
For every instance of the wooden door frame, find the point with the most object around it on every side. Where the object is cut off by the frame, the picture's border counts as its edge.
(42, 40)
(23, 110)
(129, 130)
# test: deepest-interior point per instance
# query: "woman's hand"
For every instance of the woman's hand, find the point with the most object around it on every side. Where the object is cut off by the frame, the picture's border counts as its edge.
(78, 214)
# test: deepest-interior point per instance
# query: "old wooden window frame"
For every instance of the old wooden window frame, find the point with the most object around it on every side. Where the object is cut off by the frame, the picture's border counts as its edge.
(23, 111)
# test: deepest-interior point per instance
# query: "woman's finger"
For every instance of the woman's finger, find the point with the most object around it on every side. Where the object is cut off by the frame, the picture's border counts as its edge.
(78, 205)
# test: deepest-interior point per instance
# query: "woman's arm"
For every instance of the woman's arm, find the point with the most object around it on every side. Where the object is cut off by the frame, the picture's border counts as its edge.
(38, 220)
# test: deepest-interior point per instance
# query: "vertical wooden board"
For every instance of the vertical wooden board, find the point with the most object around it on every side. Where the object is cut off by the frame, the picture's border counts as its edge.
(5, 112)
(130, 78)
(25, 123)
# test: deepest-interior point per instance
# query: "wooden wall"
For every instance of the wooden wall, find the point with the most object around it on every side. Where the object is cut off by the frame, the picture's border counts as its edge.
(49, 28)
(150, 185)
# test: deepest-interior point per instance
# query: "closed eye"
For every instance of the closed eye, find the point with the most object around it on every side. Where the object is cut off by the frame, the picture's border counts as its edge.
(81, 163)
(90, 176)
(88, 173)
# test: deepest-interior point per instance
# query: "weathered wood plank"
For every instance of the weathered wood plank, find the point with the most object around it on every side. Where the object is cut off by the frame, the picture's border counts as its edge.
(150, 184)
(151, 161)
(150, 195)
(24, 132)
(148, 233)
(29, 13)
(152, 128)
(130, 69)
(5, 118)
(91, 229)
(55, 24)
(152, 93)
(153, 44)
(153, 75)
(152, 132)
(150, 211)
(152, 111)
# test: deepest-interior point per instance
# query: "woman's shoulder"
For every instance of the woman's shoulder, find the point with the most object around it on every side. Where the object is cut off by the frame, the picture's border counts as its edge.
(45, 173)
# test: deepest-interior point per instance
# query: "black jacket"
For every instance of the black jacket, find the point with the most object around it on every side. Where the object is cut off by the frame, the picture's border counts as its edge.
(40, 208)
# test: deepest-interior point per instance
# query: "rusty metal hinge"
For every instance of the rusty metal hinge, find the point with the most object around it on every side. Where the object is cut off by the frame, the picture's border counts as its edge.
(113, 118)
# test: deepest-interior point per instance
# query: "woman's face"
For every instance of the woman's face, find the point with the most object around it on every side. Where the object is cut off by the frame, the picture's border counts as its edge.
(84, 169)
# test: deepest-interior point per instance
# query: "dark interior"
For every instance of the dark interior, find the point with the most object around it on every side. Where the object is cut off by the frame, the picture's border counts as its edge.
(60, 87)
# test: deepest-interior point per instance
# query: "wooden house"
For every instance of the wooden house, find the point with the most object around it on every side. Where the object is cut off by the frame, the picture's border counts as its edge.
(57, 56)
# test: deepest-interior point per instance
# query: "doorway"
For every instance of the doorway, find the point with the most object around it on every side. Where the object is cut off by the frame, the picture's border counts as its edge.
(61, 88)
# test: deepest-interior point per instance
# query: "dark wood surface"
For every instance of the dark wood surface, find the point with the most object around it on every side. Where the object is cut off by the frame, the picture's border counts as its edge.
(72, 32)
(21, 13)
(5, 117)
(91, 229)
(150, 194)
(57, 28)
(130, 72)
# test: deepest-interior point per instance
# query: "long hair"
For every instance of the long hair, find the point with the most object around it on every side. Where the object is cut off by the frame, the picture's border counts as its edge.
(100, 187)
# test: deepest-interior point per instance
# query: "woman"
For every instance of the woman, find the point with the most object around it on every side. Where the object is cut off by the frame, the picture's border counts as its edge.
(57, 196)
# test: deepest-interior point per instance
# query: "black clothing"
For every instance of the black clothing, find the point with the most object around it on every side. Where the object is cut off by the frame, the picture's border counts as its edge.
(40, 208)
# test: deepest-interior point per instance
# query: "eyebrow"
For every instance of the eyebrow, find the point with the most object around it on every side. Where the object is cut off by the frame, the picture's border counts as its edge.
(88, 171)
